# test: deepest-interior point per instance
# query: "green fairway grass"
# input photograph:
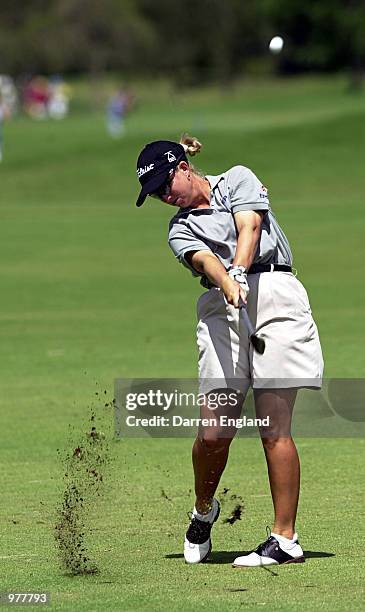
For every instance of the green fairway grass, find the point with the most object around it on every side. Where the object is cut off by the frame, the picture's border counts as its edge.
(91, 292)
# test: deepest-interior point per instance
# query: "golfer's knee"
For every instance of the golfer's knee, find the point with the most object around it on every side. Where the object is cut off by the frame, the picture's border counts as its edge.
(214, 441)
(274, 441)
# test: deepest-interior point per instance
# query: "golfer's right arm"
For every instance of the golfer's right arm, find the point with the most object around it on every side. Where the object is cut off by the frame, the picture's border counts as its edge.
(205, 262)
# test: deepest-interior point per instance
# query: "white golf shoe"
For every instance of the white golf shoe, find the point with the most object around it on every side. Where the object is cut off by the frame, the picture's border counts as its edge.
(197, 544)
(272, 552)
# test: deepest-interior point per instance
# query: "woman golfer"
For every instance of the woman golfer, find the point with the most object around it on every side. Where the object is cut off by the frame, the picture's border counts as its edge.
(225, 232)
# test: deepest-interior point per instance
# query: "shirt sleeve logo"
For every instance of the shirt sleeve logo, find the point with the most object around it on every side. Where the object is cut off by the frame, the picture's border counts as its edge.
(263, 193)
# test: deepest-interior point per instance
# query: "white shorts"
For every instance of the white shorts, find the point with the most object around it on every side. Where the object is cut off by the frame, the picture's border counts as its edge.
(279, 310)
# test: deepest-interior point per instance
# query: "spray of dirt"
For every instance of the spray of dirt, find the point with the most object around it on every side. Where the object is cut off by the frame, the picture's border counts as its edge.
(83, 488)
(237, 511)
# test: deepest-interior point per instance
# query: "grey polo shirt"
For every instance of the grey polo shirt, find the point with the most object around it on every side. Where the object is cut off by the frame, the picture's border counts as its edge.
(214, 229)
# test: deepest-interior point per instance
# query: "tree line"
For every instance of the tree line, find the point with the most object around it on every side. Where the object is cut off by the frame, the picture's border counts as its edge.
(191, 41)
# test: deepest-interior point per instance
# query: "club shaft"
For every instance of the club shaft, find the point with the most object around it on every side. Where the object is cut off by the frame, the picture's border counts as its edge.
(247, 321)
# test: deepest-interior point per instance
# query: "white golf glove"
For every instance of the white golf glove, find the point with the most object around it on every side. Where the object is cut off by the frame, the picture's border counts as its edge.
(238, 273)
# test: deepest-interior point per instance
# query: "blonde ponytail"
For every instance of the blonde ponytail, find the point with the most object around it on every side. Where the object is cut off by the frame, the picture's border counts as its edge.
(191, 144)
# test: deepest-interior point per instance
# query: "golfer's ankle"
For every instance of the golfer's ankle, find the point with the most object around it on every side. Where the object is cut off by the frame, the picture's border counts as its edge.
(203, 506)
(286, 532)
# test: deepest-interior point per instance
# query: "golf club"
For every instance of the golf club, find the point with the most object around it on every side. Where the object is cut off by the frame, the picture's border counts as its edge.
(257, 342)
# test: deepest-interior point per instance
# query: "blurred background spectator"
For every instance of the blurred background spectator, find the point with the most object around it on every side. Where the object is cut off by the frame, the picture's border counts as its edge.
(44, 97)
(117, 108)
(59, 98)
(36, 97)
(8, 96)
(8, 104)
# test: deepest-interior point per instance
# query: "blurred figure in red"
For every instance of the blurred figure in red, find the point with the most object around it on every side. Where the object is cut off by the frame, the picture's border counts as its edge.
(35, 98)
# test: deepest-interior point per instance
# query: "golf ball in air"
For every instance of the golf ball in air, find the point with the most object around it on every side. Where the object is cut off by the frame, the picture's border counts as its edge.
(276, 44)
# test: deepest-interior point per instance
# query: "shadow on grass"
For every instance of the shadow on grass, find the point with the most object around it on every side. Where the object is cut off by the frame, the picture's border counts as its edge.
(228, 556)
(313, 554)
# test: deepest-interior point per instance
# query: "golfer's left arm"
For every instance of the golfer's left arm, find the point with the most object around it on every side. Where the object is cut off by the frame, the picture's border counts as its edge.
(248, 224)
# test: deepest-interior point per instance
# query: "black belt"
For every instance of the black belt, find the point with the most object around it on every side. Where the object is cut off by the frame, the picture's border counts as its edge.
(257, 268)
(254, 269)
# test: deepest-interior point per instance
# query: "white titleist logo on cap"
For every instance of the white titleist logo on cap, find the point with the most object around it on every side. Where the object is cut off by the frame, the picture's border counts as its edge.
(170, 156)
(142, 171)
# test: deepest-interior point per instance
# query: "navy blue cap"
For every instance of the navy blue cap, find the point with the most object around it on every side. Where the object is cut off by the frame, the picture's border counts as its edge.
(154, 164)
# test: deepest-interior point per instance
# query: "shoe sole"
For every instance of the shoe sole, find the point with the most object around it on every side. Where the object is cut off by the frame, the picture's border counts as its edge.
(210, 543)
(297, 560)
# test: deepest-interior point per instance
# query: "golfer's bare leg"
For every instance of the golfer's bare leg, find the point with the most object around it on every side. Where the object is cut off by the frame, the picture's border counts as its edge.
(209, 464)
(281, 456)
(210, 453)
